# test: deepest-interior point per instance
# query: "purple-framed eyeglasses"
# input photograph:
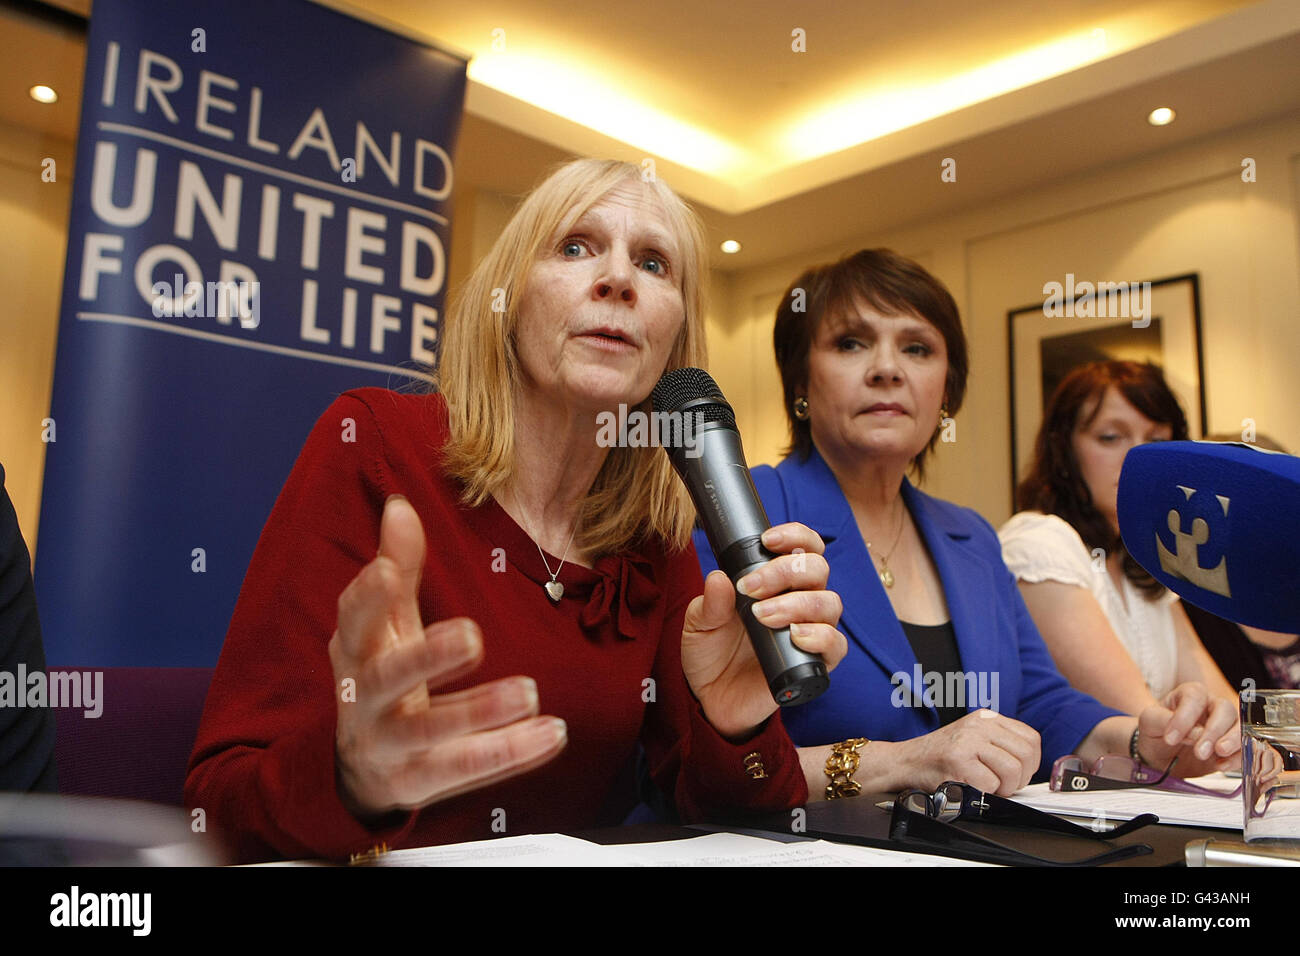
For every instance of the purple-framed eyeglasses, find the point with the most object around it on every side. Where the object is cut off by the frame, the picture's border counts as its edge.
(1116, 772)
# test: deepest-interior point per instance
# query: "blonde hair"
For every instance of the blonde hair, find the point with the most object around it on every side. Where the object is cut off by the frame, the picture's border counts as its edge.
(636, 493)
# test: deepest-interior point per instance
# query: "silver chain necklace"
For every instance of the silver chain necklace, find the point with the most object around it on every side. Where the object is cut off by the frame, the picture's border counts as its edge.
(554, 589)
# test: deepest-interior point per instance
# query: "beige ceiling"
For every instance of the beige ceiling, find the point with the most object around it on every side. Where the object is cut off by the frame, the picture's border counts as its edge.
(848, 134)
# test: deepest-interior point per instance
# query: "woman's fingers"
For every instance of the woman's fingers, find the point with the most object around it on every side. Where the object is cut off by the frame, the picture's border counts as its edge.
(823, 639)
(712, 609)
(810, 607)
(1008, 747)
(785, 538)
(448, 716)
(396, 751)
(396, 744)
(1018, 740)
(415, 753)
(1222, 731)
(467, 763)
(791, 588)
(986, 750)
(806, 571)
(974, 772)
(380, 606)
(1021, 738)
(366, 622)
(449, 650)
(1186, 703)
(401, 541)
(1191, 717)
(483, 758)
(799, 565)
(1007, 766)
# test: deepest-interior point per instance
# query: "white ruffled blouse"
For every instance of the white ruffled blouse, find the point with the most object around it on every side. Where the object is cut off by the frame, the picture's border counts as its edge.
(1038, 547)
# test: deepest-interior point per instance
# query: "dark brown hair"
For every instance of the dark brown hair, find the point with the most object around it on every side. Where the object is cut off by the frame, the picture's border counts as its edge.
(1054, 484)
(889, 283)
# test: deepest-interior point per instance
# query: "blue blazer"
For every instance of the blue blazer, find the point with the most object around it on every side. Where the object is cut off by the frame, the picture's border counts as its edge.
(874, 692)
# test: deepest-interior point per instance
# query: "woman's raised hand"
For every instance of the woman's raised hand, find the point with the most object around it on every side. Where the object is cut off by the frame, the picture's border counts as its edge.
(399, 746)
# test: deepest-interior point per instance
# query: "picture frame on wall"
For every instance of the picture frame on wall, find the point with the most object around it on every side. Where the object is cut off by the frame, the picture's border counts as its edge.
(1078, 322)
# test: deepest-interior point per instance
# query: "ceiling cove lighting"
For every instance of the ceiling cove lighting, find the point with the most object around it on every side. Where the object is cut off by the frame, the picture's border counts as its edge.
(550, 82)
(870, 114)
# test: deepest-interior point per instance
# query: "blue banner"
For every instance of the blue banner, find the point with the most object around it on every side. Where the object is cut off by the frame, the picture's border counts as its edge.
(260, 221)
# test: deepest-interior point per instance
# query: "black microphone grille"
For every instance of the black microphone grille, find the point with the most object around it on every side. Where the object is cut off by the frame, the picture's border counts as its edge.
(683, 386)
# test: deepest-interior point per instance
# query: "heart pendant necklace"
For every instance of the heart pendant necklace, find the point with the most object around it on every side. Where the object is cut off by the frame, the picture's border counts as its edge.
(554, 589)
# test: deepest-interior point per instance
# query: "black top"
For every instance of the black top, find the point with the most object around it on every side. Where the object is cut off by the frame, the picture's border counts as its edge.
(943, 682)
(26, 733)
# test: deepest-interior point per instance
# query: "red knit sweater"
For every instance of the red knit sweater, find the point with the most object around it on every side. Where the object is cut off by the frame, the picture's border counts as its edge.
(263, 767)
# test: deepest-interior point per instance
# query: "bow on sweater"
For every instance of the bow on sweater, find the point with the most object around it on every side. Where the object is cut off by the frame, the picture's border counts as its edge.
(625, 591)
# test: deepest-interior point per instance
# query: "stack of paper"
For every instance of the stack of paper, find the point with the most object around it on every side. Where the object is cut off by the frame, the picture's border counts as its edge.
(714, 849)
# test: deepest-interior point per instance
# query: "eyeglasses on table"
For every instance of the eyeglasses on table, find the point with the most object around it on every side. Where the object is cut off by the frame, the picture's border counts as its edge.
(1070, 774)
(925, 817)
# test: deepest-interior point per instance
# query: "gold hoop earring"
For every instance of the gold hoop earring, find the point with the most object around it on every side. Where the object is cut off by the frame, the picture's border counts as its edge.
(801, 408)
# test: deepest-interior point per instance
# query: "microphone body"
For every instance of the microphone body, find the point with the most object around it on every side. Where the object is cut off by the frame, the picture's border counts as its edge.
(711, 463)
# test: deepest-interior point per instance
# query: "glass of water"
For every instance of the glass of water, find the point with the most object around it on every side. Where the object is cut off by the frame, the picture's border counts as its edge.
(1270, 764)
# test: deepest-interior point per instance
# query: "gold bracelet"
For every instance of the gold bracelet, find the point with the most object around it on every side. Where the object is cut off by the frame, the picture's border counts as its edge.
(841, 765)
(369, 857)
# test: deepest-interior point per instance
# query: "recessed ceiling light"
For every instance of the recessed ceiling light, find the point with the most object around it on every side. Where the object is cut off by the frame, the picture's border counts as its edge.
(43, 94)
(731, 247)
(1161, 117)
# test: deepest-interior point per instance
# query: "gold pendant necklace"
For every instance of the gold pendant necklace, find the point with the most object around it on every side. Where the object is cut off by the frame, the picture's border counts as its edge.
(886, 575)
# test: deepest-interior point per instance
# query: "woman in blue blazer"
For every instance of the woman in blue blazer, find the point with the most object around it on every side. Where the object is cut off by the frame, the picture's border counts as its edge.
(946, 677)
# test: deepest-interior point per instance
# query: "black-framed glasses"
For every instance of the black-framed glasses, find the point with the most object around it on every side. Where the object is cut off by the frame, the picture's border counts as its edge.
(960, 801)
(927, 817)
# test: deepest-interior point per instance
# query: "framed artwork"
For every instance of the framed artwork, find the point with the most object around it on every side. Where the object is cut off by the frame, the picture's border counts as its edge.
(1080, 322)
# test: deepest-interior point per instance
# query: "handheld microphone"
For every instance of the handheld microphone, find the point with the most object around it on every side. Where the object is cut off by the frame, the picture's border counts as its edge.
(698, 430)
(1219, 525)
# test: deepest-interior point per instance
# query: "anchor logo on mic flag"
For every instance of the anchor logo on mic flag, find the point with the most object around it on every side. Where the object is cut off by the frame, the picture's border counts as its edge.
(1183, 561)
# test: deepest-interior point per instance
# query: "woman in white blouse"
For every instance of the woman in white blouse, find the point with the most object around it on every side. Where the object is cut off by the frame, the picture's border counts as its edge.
(1113, 630)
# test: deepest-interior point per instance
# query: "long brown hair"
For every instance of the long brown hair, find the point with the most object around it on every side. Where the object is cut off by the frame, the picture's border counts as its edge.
(1054, 484)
